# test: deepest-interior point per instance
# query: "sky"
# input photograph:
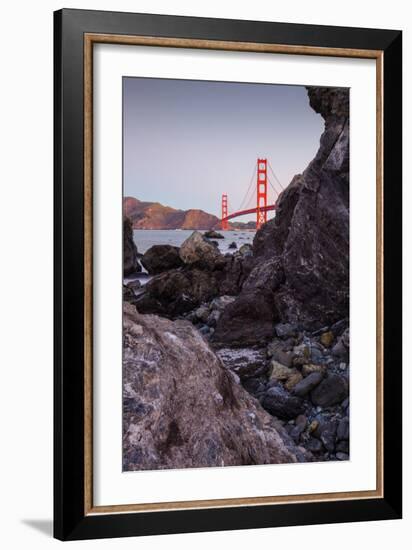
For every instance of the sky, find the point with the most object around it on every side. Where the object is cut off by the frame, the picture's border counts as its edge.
(186, 142)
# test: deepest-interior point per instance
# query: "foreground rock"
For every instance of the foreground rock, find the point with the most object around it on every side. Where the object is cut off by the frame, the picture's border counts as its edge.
(177, 292)
(130, 256)
(182, 409)
(196, 250)
(247, 321)
(161, 257)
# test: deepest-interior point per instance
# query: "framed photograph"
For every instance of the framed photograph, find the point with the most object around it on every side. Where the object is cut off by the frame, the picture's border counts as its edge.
(227, 274)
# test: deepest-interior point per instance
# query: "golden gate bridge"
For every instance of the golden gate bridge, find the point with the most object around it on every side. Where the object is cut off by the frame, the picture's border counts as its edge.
(257, 195)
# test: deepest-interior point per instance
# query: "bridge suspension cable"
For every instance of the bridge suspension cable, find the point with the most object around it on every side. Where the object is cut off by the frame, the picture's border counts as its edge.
(251, 186)
(275, 176)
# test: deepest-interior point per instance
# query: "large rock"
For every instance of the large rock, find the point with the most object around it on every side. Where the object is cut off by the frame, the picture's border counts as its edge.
(331, 391)
(196, 250)
(182, 409)
(247, 321)
(302, 255)
(233, 274)
(161, 257)
(282, 404)
(177, 291)
(130, 257)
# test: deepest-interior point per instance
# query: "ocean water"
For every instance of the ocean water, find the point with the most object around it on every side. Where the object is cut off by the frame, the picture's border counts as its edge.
(145, 238)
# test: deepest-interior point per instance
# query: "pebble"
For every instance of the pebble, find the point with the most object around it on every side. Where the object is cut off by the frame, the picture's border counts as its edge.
(342, 456)
(307, 384)
(327, 338)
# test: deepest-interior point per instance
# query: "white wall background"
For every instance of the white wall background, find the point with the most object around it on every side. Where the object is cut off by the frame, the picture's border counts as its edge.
(26, 325)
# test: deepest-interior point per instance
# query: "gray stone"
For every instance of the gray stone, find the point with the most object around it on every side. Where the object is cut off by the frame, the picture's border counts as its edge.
(282, 404)
(342, 446)
(343, 429)
(314, 445)
(307, 384)
(275, 351)
(332, 390)
(285, 330)
(342, 456)
(246, 250)
(161, 257)
(202, 313)
(328, 436)
(196, 250)
(213, 318)
(221, 302)
(213, 235)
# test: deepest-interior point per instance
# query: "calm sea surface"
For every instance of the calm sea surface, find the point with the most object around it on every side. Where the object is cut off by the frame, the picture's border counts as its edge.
(145, 238)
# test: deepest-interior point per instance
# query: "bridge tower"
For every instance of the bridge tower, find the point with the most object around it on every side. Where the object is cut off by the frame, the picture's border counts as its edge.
(225, 222)
(261, 192)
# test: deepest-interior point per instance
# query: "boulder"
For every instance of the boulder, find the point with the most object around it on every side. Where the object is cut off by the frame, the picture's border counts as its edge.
(177, 291)
(281, 403)
(331, 391)
(279, 371)
(343, 429)
(246, 363)
(233, 245)
(182, 409)
(232, 273)
(196, 250)
(130, 255)
(161, 257)
(213, 235)
(246, 250)
(249, 320)
(307, 384)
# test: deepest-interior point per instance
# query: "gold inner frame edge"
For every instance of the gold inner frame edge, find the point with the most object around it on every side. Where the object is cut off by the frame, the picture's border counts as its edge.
(89, 40)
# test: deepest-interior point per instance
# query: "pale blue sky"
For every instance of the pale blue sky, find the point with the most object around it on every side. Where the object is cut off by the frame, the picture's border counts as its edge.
(186, 142)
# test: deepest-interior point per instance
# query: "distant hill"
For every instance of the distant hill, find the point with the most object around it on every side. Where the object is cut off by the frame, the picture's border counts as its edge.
(153, 215)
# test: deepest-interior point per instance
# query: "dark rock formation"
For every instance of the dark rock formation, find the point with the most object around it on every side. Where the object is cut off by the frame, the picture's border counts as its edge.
(197, 251)
(331, 391)
(281, 403)
(161, 257)
(182, 409)
(177, 291)
(130, 257)
(213, 235)
(302, 255)
(247, 321)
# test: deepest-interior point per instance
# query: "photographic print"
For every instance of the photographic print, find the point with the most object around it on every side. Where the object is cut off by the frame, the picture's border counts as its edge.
(235, 274)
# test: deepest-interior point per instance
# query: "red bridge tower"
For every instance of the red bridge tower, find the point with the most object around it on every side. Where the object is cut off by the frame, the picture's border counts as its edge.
(225, 221)
(262, 193)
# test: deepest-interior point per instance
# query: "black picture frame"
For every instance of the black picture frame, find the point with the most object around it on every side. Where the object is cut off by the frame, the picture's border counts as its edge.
(70, 520)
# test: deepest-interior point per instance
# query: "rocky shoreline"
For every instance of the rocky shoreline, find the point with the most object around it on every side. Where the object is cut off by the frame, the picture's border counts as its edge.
(254, 343)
